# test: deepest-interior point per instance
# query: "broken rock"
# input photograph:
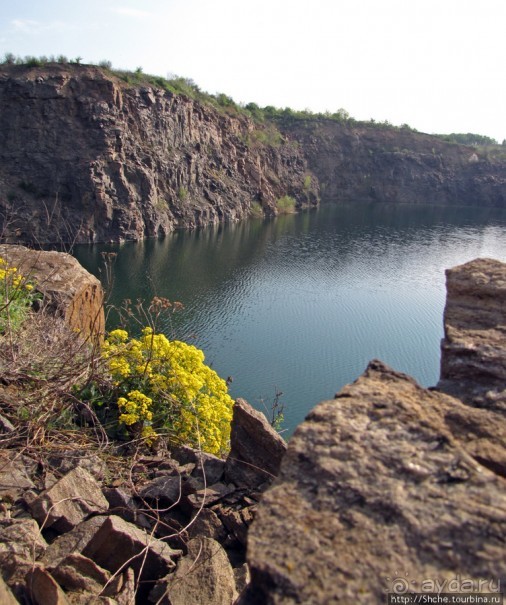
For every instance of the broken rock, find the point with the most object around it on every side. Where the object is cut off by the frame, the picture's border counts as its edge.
(69, 501)
(256, 448)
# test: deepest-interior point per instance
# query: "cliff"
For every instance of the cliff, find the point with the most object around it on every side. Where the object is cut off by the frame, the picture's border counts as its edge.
(384, 164)
(87, 157)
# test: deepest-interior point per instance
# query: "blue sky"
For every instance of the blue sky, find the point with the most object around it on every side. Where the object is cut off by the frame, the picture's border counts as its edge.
(438, 65)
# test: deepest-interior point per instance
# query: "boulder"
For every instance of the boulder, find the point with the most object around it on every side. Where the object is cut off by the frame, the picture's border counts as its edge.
(69, 501)
(203, 577)
(256, 448)
(209, 466)
(374, 488)
(473, 359)
(20, 545)
(71, 542)
(78, 573)
(69, 291)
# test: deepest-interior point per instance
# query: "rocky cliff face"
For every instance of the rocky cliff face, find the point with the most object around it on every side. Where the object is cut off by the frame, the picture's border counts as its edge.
(374, 163)
(393, 488)
(86, 157)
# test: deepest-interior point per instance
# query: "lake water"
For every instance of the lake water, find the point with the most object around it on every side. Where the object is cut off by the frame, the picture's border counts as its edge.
(301, 303)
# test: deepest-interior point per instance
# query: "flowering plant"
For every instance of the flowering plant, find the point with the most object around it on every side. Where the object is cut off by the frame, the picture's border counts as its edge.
(16, 296)
(163, 385)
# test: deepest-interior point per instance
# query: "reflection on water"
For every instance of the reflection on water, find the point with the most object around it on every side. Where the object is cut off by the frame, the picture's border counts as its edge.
(303, 302)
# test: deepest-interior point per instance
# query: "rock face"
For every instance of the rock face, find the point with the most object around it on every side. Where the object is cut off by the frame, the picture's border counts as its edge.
(392, 487)
(363, 162)
(68, 289)
(473, 358)
(86, 157)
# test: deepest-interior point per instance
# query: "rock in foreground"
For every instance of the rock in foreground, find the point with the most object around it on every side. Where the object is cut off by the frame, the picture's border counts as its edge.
(473, 351)
(374, 485)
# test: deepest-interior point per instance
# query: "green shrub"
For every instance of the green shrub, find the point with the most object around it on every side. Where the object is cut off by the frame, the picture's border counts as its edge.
(16, 297)
(182, 193)
(286, 204)
(256, 209)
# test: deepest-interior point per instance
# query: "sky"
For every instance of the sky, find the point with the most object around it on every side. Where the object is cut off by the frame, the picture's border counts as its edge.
(437, 65)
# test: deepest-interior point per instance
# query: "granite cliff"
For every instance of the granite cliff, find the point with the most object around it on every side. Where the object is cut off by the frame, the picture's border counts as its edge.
(88, 157)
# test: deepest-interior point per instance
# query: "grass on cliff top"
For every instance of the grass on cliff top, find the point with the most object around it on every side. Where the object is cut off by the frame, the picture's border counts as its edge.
(281, 116)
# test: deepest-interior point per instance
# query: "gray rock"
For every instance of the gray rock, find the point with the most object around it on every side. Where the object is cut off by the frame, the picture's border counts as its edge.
(256, 448)
(64, 462)
(165, 490)
(374, 485)
(69, 501)
(6, 425)
(203, 577)
(473, 351)
(209, 466)
(14, 476)
(72, 542)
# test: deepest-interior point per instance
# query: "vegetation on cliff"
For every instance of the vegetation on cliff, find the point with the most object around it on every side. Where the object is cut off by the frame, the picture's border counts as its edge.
(186, 86)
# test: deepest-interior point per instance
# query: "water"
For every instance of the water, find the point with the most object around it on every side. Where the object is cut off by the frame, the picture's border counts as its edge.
(301, 303)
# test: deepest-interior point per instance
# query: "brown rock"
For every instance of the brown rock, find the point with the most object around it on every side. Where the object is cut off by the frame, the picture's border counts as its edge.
(20, 545)
(203, 577)
(69, 290)
(207, 524)
(71, 542)
(473, 360)
(374, 485)
(78, 573)
(69, 501)
(256, 448)
(209, 495)
(43, 589)
(117, 542)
